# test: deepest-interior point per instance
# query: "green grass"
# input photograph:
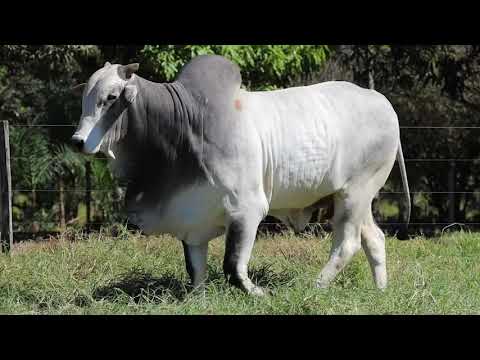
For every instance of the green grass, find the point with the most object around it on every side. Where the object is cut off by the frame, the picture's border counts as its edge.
(132, 274)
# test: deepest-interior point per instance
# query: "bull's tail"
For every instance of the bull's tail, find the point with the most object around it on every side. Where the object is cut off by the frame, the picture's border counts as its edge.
(403, 233)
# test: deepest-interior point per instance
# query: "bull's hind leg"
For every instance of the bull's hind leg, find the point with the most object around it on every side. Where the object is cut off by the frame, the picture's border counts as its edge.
(346, 223)
(373, 243)
(352, 223)
(373, 239)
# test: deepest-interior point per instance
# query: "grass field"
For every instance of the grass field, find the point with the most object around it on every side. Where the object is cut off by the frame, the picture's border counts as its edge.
(132, 274)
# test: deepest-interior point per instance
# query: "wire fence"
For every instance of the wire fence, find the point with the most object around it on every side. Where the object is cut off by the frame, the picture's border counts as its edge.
(452, 191)
(401, 127)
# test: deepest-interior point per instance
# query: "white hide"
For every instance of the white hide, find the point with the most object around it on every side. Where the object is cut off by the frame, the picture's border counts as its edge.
(314, 138)
(307, 143)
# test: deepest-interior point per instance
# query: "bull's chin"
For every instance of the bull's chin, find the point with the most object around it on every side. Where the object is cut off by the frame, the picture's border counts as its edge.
(89, 150)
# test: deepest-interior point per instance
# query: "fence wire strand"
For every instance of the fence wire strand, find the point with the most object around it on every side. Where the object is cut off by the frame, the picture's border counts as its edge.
(401, 127)
(381, 192)
(279, 223)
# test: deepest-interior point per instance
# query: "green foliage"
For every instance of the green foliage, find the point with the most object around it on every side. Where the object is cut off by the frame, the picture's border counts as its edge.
(452, 68)
(35, 82)
(33, 75)
(32, 159)
(388, 209)
(263, 66)
(106, 198)
(434, 85)
(68, 162)
(48, 61)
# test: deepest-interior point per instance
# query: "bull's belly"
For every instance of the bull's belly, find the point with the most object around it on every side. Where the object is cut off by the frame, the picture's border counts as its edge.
(194, 208)
(298, 196)
(299, 179)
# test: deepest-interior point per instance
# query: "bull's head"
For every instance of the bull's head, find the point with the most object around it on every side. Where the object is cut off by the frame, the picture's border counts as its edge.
(108, 89)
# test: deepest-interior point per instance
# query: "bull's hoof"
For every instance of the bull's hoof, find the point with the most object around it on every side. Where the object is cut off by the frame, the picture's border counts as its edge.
(321, 284)
(382, 288)
(402, 234)
(198, 290)
(257, 291)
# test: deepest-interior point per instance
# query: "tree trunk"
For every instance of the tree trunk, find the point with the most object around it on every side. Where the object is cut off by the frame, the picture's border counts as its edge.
(61, 186)
(371, 80)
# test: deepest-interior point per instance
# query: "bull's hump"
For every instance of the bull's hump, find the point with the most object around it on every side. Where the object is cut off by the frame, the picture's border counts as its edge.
(212, 76)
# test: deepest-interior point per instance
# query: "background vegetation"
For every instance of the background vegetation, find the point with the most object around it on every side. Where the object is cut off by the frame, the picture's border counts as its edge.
(436, 85)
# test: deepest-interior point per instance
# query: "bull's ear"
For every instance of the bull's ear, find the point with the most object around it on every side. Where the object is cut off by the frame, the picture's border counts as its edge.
(130, 93)
(127, 70)
(78, 89)
(107, 64)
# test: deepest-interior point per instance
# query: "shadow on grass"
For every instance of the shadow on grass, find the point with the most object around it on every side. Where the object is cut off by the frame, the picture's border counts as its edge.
(262, 275)
(142, 286)
(266, 277)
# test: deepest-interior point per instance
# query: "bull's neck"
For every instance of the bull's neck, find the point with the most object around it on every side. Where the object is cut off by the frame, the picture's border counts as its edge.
(164, 127)
(167, 109)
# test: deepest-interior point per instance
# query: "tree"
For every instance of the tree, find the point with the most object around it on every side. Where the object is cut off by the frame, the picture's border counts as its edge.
(262, 66)
(34, 90)
(435, 85)
(68, 168)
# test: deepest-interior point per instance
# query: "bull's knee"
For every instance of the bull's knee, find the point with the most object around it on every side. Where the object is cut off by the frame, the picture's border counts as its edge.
(350, 248)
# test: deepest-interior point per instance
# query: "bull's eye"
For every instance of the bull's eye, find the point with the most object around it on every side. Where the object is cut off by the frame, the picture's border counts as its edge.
(111, 97)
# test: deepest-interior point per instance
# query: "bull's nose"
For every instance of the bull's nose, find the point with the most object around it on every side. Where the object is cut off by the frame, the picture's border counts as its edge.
(78, 143)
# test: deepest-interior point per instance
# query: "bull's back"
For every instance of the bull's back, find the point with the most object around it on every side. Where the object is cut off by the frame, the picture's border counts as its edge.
(315, 137)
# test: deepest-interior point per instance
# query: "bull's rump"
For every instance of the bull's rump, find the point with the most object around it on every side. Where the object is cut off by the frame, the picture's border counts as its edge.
(316, 138)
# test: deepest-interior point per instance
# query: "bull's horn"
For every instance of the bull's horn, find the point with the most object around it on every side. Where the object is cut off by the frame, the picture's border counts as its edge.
(128, 70)
(78, 89)
(107, 64)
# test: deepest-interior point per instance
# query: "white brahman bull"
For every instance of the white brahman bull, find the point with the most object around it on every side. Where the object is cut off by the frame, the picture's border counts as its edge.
(202, 157)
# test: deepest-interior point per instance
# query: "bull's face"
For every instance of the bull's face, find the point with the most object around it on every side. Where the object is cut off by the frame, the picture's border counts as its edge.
(103, 89)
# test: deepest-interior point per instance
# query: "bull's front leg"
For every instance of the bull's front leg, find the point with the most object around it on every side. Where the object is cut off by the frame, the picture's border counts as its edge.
(240, 237)
(196, 263)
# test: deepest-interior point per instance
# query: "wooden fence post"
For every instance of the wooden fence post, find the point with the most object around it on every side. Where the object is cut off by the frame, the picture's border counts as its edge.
(6, 233)
(61, 190)
(88, 191)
